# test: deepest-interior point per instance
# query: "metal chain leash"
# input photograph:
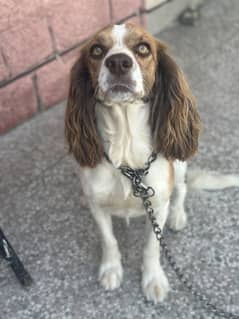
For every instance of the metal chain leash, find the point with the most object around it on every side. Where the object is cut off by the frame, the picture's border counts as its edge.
(145, 192)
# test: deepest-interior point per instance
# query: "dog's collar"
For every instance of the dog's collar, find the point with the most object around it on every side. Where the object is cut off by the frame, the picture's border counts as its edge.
(151, 158)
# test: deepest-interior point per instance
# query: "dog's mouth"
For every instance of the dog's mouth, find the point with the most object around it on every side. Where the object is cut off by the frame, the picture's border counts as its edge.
(120, 88)
(119, 92)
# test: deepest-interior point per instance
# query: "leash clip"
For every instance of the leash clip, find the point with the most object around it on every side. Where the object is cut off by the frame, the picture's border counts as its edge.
(135, 176)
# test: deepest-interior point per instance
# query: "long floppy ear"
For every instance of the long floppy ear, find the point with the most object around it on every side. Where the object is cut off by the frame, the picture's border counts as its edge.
(174, 119)
(80, 123)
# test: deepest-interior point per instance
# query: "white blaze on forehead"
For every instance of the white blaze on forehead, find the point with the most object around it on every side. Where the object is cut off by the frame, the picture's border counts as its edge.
(118, 34)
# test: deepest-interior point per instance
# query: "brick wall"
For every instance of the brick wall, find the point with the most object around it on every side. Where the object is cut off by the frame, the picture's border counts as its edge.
(39, 40)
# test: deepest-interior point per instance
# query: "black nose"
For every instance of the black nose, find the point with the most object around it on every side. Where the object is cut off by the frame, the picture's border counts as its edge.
(119, 64)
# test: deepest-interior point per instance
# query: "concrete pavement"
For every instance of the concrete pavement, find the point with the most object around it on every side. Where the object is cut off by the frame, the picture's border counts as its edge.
(58, 241)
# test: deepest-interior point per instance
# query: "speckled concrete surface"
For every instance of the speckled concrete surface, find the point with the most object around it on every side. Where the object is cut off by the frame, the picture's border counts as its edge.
(57, 239)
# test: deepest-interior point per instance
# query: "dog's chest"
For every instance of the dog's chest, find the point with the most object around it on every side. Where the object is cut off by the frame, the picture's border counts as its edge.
(126, 138)
(105, 186)
(125, 133)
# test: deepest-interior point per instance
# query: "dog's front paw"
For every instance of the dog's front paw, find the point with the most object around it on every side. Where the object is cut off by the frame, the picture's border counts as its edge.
(155, 286)
(178, 220)
(110, 275)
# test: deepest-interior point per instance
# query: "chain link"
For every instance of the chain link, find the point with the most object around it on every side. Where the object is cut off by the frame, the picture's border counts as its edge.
(145, 192)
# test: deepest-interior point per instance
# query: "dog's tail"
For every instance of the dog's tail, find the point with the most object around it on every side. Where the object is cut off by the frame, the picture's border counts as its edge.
(200, 179)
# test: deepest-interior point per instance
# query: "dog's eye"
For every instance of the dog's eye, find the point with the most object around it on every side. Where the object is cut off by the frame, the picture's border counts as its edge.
(97, 51)
(142, 49)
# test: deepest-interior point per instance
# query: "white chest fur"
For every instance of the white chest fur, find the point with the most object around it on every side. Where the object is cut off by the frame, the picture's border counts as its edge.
(125, 134)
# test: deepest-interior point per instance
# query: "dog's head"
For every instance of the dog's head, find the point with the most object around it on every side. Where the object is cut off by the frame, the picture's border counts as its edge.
(122, 64)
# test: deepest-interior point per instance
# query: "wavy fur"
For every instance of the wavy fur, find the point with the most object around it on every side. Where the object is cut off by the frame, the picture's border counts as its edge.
(174, 119)
(80, 123)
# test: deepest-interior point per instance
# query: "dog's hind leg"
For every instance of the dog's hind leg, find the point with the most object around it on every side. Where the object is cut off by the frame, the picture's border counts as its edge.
(178, 217)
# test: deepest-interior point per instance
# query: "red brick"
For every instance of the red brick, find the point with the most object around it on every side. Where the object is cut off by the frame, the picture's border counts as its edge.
(123, 8)
(17, 103)
(73, 21)
(4, 73)
(17, 12)
(52, 82)
(26, 45)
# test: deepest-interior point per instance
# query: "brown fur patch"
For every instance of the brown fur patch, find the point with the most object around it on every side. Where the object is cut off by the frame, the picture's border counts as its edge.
(80, 123)
(147, 64)
(174, 119)
(103, 38)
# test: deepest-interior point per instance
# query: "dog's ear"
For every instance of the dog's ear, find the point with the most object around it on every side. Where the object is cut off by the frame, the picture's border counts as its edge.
(174, 119)
(80, 123)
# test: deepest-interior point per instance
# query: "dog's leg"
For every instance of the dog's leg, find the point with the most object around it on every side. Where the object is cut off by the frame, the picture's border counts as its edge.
(178, 218)
(154, 281)
(111, 271)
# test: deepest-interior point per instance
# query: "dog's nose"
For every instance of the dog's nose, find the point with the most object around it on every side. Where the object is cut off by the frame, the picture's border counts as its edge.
(119, 64)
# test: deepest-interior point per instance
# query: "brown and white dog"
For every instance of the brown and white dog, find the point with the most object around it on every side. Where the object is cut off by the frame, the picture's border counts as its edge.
(128, 98)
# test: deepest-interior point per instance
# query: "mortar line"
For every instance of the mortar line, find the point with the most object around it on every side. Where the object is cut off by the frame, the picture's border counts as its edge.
(37, 93)
(5, 61)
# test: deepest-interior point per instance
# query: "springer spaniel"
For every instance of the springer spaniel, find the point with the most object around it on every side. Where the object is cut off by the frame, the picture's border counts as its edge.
(127, 99)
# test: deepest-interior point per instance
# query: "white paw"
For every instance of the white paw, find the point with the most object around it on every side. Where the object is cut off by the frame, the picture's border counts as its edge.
(155, 286)
(178, 220)
(110, 275)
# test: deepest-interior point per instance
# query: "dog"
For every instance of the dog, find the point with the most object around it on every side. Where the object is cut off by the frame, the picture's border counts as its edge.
(128, 98)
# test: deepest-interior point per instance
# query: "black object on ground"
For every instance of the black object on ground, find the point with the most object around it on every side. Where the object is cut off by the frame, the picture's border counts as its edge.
(8, 253)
